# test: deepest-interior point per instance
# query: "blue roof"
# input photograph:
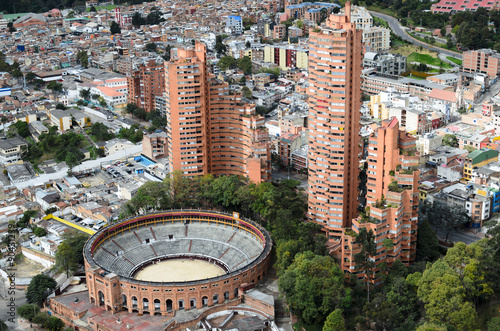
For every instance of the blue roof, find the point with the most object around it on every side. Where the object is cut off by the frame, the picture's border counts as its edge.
(238, 18)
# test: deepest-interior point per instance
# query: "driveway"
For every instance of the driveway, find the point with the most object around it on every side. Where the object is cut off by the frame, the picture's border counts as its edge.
(401, 32)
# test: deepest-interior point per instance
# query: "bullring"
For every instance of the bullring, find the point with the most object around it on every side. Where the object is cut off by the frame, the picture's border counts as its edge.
(114, 256)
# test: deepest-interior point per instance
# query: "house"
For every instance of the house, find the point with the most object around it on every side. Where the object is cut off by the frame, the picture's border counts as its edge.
(11, 150)
(114, 145)
(478, 158)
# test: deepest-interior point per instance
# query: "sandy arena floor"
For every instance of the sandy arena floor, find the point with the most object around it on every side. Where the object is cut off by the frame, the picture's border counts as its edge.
(179, 271)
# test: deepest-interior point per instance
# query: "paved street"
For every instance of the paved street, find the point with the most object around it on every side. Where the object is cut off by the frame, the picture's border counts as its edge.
(282, 175)
(463, 236)
(493, 91)
(400, 31)
(19, 300)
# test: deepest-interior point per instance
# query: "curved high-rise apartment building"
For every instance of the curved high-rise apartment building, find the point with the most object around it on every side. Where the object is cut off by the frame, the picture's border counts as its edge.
(211, 129)
(335, 63)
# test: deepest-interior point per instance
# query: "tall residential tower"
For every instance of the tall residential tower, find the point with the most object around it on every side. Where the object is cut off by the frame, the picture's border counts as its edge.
(210, 128)
(335, 62)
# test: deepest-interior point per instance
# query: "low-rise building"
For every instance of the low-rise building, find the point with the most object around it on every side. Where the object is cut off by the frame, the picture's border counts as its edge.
(154, 145)
(11, 150)
(478, 158)
(387, 64)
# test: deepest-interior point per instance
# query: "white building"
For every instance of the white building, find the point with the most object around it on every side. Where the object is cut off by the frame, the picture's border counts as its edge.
(234, 25)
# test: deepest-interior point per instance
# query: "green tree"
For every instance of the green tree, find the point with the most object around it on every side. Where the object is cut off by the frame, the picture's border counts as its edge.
(41, 318)
(54, 324)
(71, 160)
(102, 102)
(154, 17)
(37, 288)
(65, 258)
(93, 9)
(432, 327)
(40, 232)
(227, 62)
(85, 94)
(55, 86)
(363, 259)
(472, 265)
(83, 58)
(28, 311)
(10, 26)
(494, 324)
(115, 28)
(30, 76)
(314, 286)
(443, 294)
(151, 47)
(246, 92)
(22, 129)
(335, 321)
(101, 132)
(76, 240)
(245, 64)
(450, 140)
(137, 19)
(427, 243)
(442, 216)
(60, 106)
(166, 55)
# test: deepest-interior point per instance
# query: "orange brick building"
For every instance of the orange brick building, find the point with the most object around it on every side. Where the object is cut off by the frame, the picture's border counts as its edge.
(335, 62)
(485, 61)
(334, 151)
(392, 198)
(145, 82)
(210, 128)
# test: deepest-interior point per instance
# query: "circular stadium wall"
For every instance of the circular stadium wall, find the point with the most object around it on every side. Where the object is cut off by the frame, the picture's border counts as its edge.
(174, 260)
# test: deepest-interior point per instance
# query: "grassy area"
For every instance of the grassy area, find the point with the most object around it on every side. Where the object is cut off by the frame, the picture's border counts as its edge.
(454, 60)
(110, 7)
(408, 49)
(416, 77)
(380, 22)
(437, 44)
(427, 59)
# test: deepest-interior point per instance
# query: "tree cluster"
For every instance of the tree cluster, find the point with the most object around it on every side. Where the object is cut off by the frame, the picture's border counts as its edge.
(65, 147)
(442, 216)
(83, 58)
(133, 134)
(101, 132)
(229, 62)
(39, 288)
(450, 140)
(69, 255)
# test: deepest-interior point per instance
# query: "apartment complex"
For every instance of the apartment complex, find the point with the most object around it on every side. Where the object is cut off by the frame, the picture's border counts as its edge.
(375, 38)
(211, 130)
(309, 10)
(485, 61)
(287, 56)
(335, 61)
(392, 199)
(386, 64)
(145, 82)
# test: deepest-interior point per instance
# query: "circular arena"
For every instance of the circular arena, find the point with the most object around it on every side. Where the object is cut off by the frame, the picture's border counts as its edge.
(174, 260)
